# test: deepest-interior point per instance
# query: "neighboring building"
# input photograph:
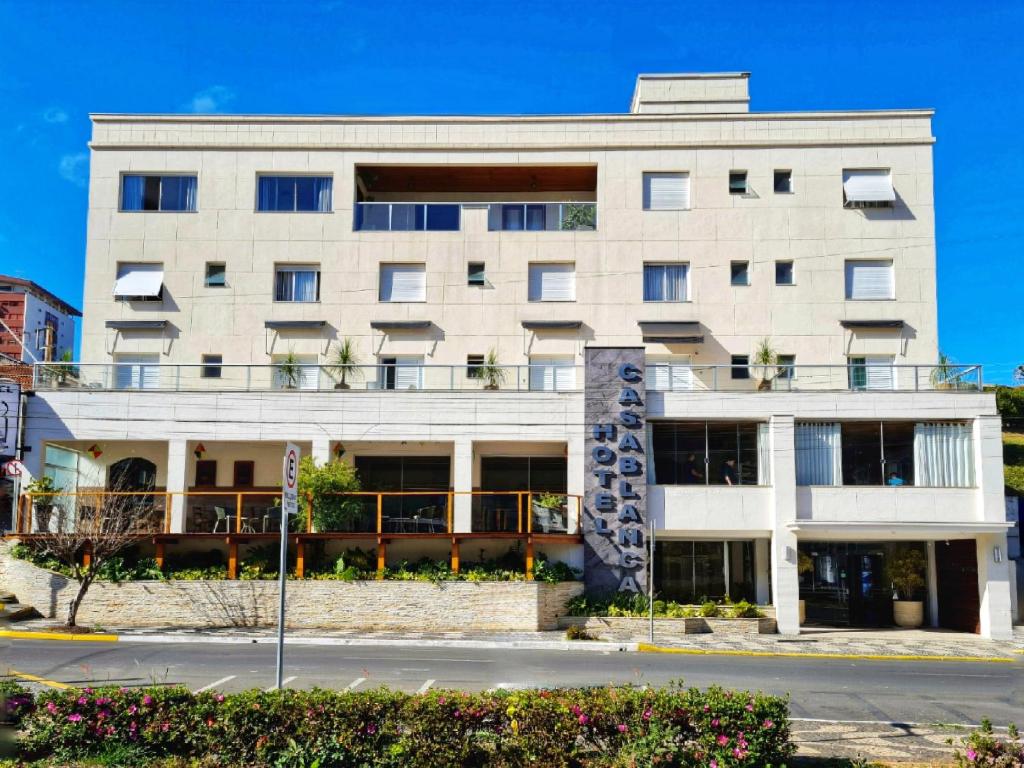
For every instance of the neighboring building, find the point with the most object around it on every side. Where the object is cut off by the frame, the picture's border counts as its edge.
(43, 326)
(229, 256)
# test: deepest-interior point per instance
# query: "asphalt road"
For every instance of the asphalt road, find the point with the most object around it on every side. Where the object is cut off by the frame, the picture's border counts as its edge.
(830, 689)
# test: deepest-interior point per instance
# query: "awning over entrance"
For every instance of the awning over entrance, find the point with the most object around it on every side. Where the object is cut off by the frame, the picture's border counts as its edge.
(680, 332)
(825, 530)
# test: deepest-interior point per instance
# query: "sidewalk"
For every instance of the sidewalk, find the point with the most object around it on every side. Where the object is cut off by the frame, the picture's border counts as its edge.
(921, 644)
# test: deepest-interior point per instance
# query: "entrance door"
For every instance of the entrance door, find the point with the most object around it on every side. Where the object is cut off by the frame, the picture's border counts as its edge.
(956, 566)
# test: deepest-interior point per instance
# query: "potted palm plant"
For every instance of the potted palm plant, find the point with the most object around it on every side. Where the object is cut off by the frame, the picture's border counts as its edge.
(343, 361)
(491, 371)
(764, 360)
(44, 504)
(905, 570)
(944, 374)
(289, 370)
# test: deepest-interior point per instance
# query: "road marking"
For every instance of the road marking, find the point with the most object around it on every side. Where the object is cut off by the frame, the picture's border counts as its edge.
(355, 683)
(40, 680)
(892, 723)
(215, 683)
(283, 684)
(426, 686)
(18, 634)
(648, 648)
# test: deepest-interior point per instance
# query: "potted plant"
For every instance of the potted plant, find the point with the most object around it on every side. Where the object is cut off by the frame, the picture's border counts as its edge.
(578, 216)
(64, 371)
(765, 359)
(905, 570)
(804, 564)
(944, 374)
(548, 511)
(44, 505)
(491, 372)
(343, 361)
(289, 371)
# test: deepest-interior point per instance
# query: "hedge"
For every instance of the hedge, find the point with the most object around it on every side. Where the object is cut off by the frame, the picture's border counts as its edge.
(586, 727)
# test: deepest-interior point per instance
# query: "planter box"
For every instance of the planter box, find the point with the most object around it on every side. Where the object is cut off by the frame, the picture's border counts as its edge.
(637, 629)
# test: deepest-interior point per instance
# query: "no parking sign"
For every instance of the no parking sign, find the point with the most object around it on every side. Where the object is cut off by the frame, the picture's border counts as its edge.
(290, 480)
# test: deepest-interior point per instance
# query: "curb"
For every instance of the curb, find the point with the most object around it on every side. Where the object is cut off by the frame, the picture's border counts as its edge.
(533, 645)
(648, 648)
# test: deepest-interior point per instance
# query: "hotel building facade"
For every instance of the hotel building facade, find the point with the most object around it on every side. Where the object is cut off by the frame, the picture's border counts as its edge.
(561, 329)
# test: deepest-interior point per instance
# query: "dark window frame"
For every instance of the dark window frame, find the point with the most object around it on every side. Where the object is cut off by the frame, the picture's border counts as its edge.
(740, 367)
(792, 272)
(476, 273)
(204, 467)
(734, 178)
(786, 175)
(223, 275)
(745, 273)
(212, 368)
(240, 470)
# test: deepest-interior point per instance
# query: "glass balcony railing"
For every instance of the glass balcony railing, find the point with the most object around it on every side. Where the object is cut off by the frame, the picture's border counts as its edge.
(541, 217)
(407, 217)
(501, 217)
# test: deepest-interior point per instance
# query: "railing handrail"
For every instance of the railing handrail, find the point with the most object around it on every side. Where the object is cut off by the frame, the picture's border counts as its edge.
(478, 202)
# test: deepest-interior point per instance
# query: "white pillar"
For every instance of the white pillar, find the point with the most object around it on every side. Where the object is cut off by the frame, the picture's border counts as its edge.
(785, 576)
(321, 450)
(762, 570)
(575, 467)
(933, 587)
(177, 471)
(994, 587)
(462, 484)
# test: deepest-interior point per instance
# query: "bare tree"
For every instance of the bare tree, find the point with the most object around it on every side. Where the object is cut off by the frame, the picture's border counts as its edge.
(89, 529)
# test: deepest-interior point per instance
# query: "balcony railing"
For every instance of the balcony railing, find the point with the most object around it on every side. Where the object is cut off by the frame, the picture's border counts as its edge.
(682, 377)
(501, 217)
(259, 512)
(302, 377)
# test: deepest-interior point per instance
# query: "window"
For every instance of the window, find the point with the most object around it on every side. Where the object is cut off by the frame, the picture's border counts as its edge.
(473, 365)
(552, 373)
(244, 474)
(475, 273)
(709, 453)
(294, 193)
(665, 282)
(296, 372)
(784, 273)
(299, 282)
(740, 366)
(783, 182)
(669, 374)
(158, 193)
(666, 191)
(407, 217)
(737, 182)
(137, 371)
(206, 473)
(552, 282)
(786, 367)
(872, 372)
(211, 366)
(403, 282)
(139, 282)
(868, 188)
(869, 280)
(400, 372)
(691, 572)
(216, 275)
(739, 273)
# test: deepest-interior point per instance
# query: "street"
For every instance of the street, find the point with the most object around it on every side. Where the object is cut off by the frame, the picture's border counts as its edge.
(820, 688)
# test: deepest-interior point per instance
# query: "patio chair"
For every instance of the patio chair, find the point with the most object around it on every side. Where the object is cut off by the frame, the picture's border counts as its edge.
(222, 517)
(427, 516)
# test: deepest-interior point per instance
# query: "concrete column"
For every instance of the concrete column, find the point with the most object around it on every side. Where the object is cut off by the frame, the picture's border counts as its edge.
(762, 570)
(574, 481)
(321, 450)
(994, 587)
(177, 482)
(462, 484)
(785, 576)
(933, 587)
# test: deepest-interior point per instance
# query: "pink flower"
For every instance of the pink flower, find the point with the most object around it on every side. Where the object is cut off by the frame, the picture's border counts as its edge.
(457, 713)
(623, 727)
(87, 690)
(51, 707)
(971, 754)
(713, 763)
(442, 700)
(767, 724)
(371, 729)
(132, 709)
(738, 753)
(123, 690)
(147, 700)
(749, 707)
(219, 698)
(722, 740)
(74, 718)
(646, 715)
(82, 701)
(575, 709)
(707, 708)
(715, 722)
(165, 727)
(583, 719)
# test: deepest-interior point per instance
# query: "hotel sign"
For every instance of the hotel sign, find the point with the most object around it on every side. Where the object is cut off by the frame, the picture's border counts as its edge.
(615, 488)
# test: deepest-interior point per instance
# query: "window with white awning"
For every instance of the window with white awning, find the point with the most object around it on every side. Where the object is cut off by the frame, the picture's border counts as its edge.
(139, 282)
(868, 188)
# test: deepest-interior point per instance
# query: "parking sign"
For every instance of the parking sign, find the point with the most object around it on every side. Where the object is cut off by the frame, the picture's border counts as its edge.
(290, 480)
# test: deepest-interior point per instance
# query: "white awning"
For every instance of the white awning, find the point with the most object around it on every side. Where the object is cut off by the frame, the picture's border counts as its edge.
(869, 186)
(858, 530)
(139, 281)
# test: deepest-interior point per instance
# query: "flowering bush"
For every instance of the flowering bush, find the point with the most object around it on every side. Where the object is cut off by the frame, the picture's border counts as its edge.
(983, 747)
(585, 728)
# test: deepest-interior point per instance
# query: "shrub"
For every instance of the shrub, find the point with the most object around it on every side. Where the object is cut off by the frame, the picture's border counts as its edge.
(587, 728)
(554, 572)
(744, 610)
(331, 511)
(709, 610)
(983, 747)
(576, 632)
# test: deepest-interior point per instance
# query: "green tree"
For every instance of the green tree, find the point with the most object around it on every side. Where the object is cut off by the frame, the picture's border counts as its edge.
(327, 485)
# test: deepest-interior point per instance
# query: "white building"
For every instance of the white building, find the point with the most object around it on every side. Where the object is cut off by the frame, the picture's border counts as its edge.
(473, 263)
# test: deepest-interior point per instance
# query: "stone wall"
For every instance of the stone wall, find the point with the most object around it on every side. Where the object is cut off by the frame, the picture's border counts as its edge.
(360, 605)
(622, 628)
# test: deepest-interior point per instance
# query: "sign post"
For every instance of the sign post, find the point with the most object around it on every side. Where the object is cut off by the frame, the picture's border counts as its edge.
(289, 506)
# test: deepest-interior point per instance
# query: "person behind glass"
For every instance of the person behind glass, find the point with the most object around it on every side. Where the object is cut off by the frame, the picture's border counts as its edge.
(894, 479)
(729, 476)
(691, 471)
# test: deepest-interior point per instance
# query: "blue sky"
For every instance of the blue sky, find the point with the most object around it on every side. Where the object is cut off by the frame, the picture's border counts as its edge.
(61, 60)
